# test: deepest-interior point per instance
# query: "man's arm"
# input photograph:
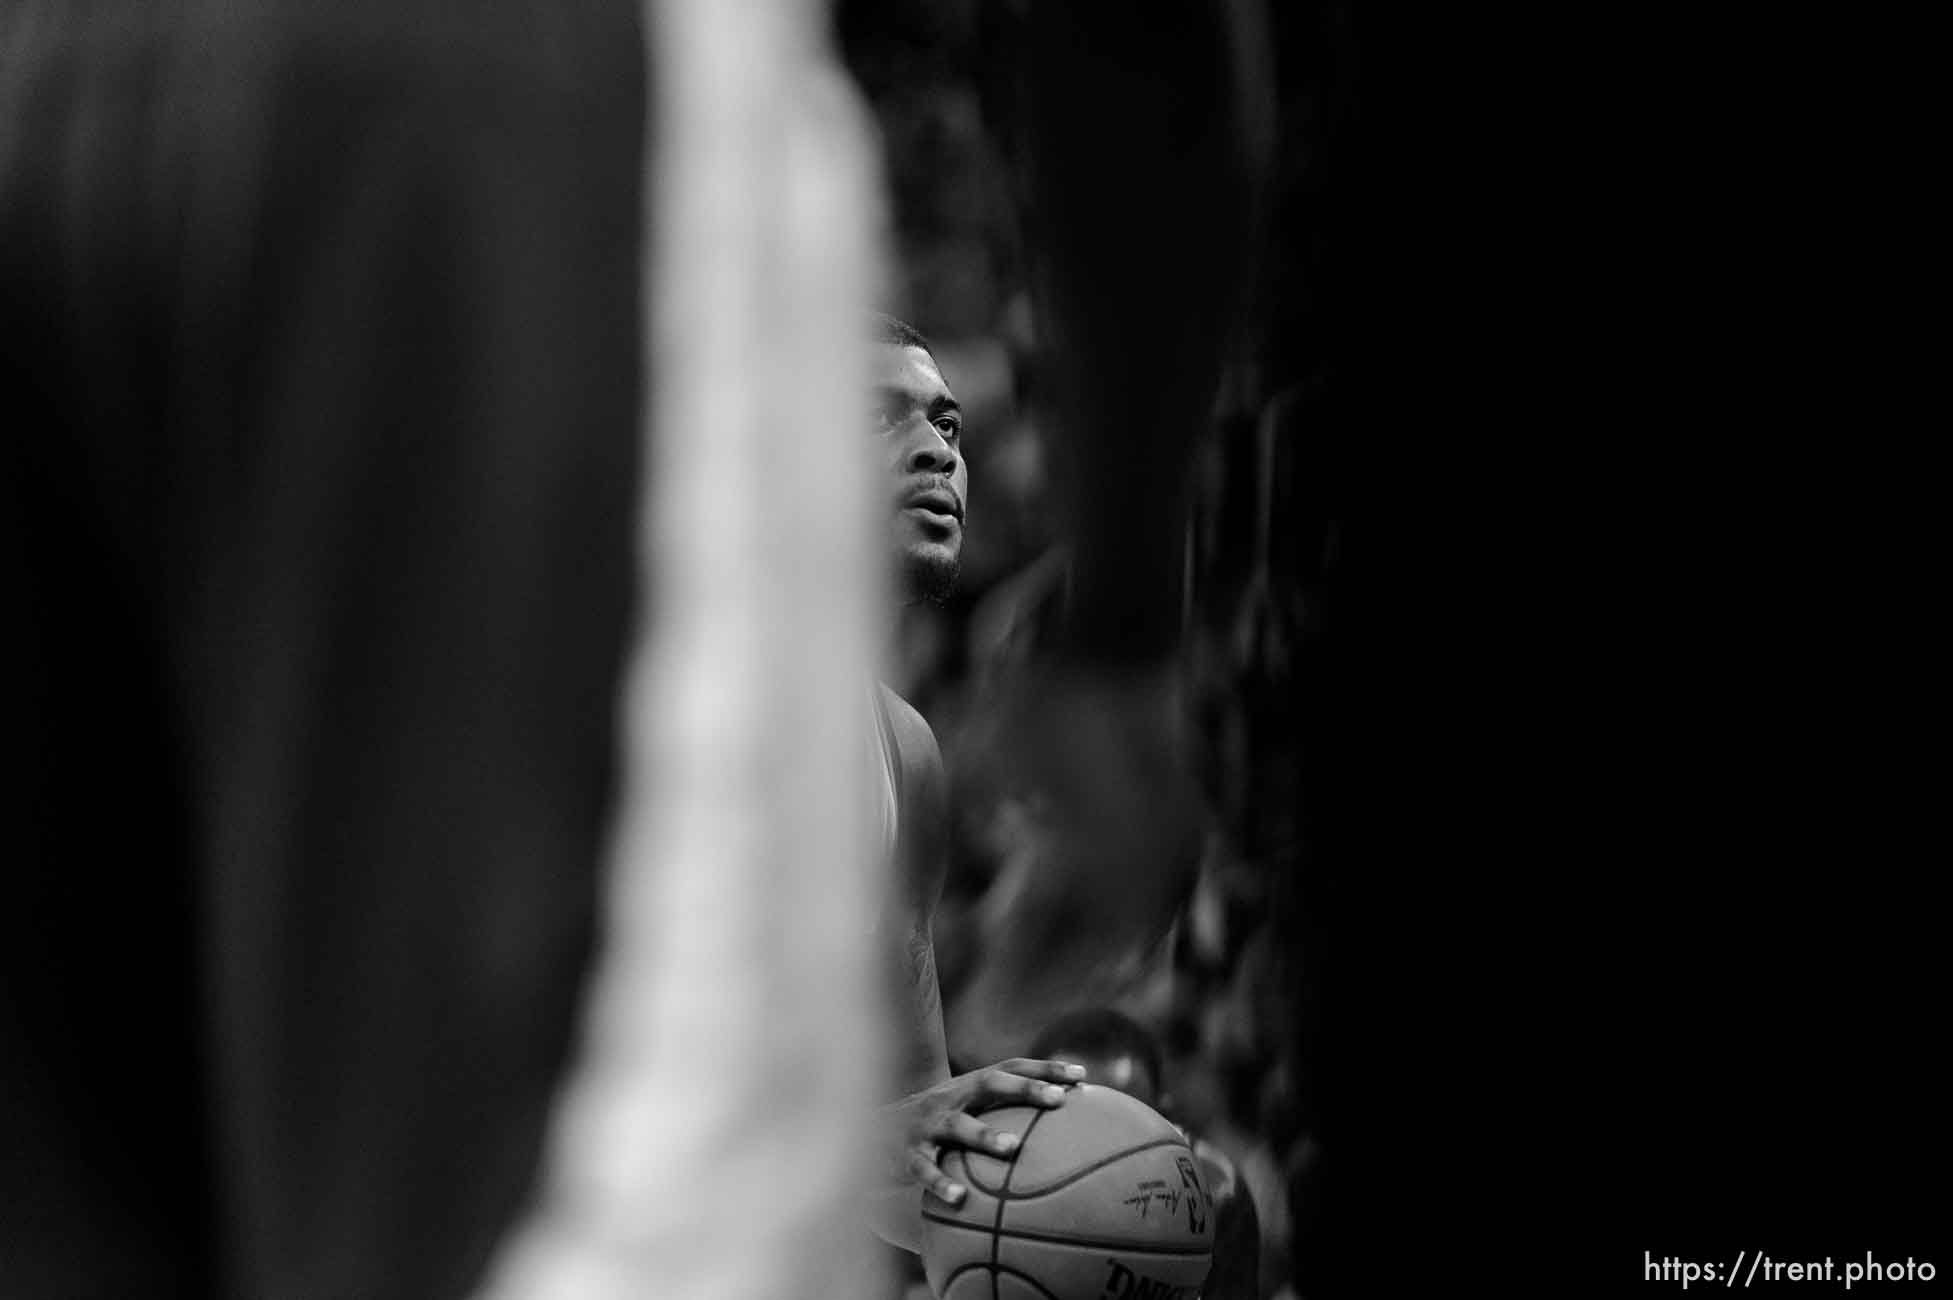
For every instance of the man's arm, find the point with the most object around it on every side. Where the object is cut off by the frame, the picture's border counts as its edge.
(921, 859)
(934, 1110)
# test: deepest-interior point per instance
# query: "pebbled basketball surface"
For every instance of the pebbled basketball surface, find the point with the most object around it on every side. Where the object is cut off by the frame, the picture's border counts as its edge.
(1104, 1202)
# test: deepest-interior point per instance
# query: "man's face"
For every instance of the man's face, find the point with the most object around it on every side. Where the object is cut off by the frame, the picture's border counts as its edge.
(921, 430)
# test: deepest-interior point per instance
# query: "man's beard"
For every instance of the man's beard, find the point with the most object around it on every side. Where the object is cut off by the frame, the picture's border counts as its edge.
(928, 580)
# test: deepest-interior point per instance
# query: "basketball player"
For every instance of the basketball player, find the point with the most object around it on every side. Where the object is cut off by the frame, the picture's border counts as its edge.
(1084, 99)
(920, 426)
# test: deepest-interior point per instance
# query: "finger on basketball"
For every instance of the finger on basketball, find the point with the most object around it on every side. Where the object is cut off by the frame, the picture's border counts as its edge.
(962, 1129)
(1049, 1071)
(934, 1181)
(999, 1088)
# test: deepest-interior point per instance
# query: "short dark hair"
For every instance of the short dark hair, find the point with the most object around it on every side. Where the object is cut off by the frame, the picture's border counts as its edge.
(1101, 1031)
(899, 333)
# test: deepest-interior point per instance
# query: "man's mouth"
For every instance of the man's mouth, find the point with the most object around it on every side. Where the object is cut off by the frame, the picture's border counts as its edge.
(935, 502)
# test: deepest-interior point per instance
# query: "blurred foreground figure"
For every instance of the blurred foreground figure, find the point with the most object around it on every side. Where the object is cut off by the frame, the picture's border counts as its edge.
(320, 327)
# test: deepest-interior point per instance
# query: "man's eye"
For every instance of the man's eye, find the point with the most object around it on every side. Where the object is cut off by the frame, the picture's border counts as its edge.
(950, 427)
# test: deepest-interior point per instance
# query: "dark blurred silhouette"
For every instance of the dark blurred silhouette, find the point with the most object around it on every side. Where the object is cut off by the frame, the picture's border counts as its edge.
(318, 321)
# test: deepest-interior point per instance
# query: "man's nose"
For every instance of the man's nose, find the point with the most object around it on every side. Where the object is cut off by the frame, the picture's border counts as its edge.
(930, 454)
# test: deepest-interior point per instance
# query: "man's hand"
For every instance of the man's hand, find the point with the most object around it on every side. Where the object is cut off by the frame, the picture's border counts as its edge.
(923, 1125)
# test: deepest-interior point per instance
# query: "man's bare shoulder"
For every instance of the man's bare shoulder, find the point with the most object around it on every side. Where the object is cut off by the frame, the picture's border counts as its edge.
(924, 806)
(915, 742)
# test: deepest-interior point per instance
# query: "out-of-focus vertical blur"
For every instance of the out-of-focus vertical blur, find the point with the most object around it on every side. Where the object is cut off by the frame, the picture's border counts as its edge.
(321, 331)
(711, 1138)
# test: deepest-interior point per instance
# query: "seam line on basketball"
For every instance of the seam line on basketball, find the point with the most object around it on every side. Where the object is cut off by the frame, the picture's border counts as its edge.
(1003, 1194)
(950, 1280)
(1102, 1243)
(1024, 1277)
(948, 1222)
(1094, 1243)
(1003, 1199)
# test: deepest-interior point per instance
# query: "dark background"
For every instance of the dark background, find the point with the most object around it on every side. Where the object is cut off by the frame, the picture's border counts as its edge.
(1602, 900)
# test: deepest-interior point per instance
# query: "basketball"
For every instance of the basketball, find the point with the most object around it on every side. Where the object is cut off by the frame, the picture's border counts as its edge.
(1103, 1202)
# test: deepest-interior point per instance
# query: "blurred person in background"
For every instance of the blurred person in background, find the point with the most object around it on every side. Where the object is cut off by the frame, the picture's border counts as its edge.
(1133, 320)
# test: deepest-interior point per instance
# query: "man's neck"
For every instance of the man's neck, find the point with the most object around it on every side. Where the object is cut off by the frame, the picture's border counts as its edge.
(889, 658)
